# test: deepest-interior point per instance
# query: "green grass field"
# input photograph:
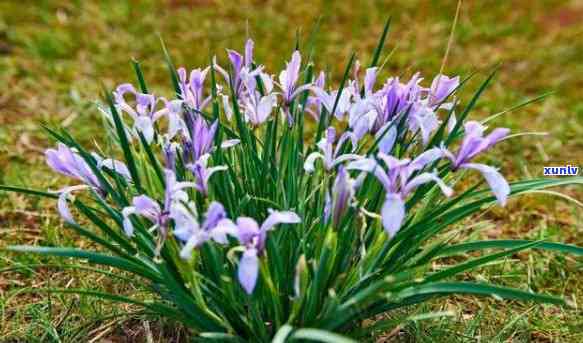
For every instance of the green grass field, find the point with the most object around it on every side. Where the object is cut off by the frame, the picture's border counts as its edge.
(55, 55)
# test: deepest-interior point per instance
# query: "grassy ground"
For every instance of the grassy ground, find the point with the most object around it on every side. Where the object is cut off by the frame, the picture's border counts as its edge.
(55, 54)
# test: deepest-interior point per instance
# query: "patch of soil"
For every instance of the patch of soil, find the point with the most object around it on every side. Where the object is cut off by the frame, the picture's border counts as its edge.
(562, 17)
(176, 4)
(5, 46)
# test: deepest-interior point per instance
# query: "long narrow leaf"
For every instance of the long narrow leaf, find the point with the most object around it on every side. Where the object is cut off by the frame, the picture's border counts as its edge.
(446, 288)
(462, 248)
(93, 257)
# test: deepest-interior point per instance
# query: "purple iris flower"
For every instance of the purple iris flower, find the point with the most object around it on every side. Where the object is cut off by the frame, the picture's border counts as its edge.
(237, 63)
(314, 102)
(189, 230)
(394, 98)
(327, 100)
(361, 117)
(146, 111)
(257, 110)
(441, 87)
(398, 183)
(331, 157)
(362, 113)
(200, 138)
(113, 165)
(474, 143)
(338, 201)
(423, 119)
(387, 137)
(192, 89)
(288, 79)
(68, 162)
(203, 173)
(240, 65)
(370, 79)
(257, 107)
(170, 152)
(253, 237)
(175, 112)
(149, 208)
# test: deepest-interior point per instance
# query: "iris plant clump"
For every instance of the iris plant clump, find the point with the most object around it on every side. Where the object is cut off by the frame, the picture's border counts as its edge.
(257, 206)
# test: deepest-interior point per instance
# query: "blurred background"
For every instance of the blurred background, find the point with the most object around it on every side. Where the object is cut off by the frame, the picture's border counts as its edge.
(55, 55)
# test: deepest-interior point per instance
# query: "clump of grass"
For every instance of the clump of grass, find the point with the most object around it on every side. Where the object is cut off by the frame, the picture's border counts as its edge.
(216, 200)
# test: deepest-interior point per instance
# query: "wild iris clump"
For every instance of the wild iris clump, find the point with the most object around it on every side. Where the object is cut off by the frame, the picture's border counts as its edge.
(253, 206)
